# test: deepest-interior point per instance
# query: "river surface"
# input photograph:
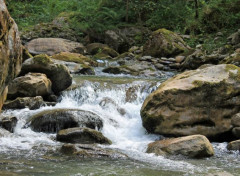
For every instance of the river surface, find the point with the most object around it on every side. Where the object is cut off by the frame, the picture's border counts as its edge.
(30, 153)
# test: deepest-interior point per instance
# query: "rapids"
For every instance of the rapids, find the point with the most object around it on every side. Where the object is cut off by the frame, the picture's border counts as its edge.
(30, 153)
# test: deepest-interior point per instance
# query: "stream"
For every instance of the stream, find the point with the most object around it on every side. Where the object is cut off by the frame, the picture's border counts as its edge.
(27, 153)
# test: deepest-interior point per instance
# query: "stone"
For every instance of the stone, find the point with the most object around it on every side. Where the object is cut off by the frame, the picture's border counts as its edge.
(180, 59)
(25, 102)
(198, 58)
(8, 122)
(10, 51)
(200, 101)
(51, 46)
(232, 59)
(74, 57)
(234, 145)
(235, 121)
(107, 102)
(30, 85)
(85, 71)
(82, 136)
(90, 151)
(52, 121)
(58, 74)
(195, 146)
(94, 48)
(236, 132)
(164, 43)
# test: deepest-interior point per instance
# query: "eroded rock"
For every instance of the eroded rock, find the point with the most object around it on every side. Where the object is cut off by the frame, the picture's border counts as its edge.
(201, 101)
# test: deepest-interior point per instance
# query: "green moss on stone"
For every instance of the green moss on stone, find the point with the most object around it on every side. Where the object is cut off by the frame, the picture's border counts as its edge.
(42, 59)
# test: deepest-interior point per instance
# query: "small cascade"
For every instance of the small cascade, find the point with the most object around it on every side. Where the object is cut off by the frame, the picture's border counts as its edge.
(118, 102)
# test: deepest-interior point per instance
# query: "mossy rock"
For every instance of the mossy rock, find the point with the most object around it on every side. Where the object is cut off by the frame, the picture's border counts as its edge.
(102, 56)
(164, 43)
(74, 57)
(82, 136)
(233, 59)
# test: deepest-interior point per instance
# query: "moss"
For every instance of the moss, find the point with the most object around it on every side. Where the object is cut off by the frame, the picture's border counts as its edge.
(42, 59)
(234, 71)
(101, 56)
(74, 57)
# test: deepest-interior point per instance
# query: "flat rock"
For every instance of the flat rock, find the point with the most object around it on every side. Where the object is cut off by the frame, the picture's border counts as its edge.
(82, 136)
(91, 151)
(195, 146)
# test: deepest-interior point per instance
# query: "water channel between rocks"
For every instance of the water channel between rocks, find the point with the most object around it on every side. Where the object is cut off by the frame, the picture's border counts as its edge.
(30, 153)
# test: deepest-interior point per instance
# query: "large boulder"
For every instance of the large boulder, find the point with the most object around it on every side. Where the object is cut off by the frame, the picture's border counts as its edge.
(51, 46)
(58, 119)
(30, 85)
(196, 146)
(164, 43)
(57, 73)
(201, 101)
(10, 51)
(82, 136)
(91, 151)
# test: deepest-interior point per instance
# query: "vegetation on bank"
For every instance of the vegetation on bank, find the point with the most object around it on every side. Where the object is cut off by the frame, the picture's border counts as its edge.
(201, 18)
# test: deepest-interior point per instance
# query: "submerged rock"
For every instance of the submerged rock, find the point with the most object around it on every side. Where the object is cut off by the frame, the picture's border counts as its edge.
(10, 51)
(201, 101)
(57, 119)
(57, 73)
(164, 43)
(90, 151)
(25, 102)
(8, 122)
(82, 136)
(51, 46)
(30, 85)
(196, 146)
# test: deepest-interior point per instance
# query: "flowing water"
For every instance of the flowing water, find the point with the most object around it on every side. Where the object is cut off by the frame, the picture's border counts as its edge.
(30, 153)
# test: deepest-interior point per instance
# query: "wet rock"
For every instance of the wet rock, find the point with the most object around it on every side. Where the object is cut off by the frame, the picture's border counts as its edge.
(4, 133)
(164, 43)
(30, 85)
(90, 151)
(57, 119)
(131, 94)
(8, 123)
(159, 66)
(108, 102)
(57, 73)
(51, 46)
(86, 71)
(106, 53)
(10, 51)
(75, 57)
(234, 145)
(196, 146)
(195, 102)
(25, 102)
(82, 136)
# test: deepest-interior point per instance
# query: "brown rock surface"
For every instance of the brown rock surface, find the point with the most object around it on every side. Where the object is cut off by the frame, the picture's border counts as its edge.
(10, 51)
(195, 146)
(51, 46)
(201, 101)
